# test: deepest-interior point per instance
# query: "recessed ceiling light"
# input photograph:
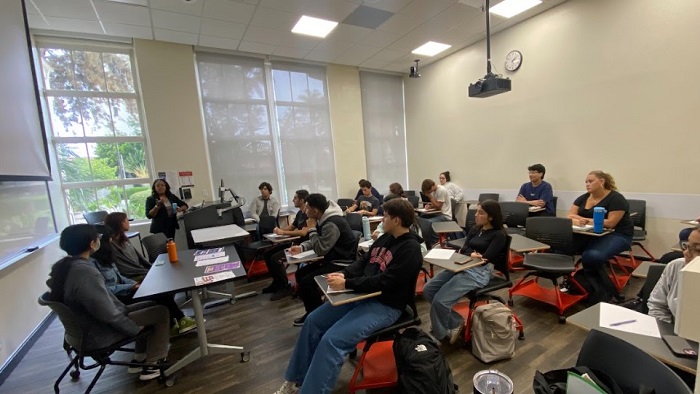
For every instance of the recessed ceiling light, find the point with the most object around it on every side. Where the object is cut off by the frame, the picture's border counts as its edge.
(314, 26)
(430, 48)
(508, 8)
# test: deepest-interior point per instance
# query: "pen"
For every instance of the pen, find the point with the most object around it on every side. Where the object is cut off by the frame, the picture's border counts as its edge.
(621, 323)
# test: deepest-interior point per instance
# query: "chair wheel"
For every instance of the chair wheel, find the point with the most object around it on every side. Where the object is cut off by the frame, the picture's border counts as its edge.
(353, 354)
(233, 301)
(75, 375)
(245, 357)
(510, 302)
(562, 319)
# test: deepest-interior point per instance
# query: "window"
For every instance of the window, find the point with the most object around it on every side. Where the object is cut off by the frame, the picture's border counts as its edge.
(385, 130)
(96, 129)
(267, 123)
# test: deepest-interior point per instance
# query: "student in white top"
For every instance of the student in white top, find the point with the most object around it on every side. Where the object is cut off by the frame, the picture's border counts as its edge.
(439, 199)
(454, 190)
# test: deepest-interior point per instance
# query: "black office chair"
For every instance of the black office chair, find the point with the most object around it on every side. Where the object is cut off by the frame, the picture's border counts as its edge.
(414, 200)
(345, 203)
(500, 279)
(514, 216)
(555, 199)
(470, 221)
(73, 342)
(453, 207)
(409, 193)
(355, 222)
(488, 196)
(639, 220)
(630, 367)
(426, 228)
(96, 217)
(639, 304)
(558, 234)
(155, 245)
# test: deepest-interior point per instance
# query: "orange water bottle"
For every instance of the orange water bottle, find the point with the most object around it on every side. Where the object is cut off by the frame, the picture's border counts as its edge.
(172, 251)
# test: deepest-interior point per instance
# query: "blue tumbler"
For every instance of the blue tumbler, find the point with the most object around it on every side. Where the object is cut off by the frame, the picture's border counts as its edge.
(365, 228)
(598, 218)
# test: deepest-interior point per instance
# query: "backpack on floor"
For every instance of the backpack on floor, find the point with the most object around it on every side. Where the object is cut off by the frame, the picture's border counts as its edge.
(493, 332)
(420, 365)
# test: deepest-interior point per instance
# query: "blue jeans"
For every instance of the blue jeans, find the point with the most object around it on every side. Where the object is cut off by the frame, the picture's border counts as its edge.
(443, 291)
(597, 251)
(328, 335)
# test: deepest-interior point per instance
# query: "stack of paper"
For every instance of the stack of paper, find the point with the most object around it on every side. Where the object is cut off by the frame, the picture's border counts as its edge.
(619, 318)
(301, 255)
(440, 254)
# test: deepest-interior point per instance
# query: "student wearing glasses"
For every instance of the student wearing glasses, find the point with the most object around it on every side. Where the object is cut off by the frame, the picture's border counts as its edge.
(537, 192)
(663, 300)
(454, 190)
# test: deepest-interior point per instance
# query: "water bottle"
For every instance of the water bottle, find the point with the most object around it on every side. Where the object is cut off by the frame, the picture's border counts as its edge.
(365, 228)
(174, 208)
(598, 218)
(172, 250)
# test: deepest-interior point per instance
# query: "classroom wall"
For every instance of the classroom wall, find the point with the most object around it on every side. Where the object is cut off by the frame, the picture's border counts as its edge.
(608, 85)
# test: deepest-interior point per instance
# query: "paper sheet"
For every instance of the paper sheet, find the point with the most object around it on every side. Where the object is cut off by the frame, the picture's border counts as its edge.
(331, 291)
(440, 254)
(619, 318)
(219, 276)
(217, 260)
(583, 228)
(209, 256)
(207, 251)
(301, 255)
(222, 267)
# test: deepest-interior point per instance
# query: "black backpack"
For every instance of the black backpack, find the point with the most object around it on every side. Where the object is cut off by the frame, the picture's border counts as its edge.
(421, 366)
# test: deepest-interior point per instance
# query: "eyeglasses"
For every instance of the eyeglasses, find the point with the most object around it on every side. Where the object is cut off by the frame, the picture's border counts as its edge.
(692, 247)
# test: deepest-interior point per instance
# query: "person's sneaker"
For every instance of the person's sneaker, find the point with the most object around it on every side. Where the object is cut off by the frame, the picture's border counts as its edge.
(564, 286)
(136, 369)
(288, 388)
(281, 293)
(149, 373)
(175, 328)
(186, 324)
(300, 321)
(455, 334)
(270, 289)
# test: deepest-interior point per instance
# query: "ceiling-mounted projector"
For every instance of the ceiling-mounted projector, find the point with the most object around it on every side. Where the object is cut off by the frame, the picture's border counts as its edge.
(491, 84)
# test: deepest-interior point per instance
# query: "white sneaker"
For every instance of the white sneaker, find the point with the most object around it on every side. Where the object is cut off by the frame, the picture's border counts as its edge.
(455, 334)
(288, 388)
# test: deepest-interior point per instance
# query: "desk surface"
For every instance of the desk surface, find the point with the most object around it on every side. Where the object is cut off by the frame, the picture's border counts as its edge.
(165, 277)
(591, 233)
(430, 211)
(520, 243)
(218, 233)
(293, 260)
(451, 264)
(590, 318)
(341, 298)
(275, 239)
(447, 227)
(643, 269)
(690, 222)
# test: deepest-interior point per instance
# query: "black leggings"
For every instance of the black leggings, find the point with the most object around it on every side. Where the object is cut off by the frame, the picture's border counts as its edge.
(274, 259)
(308, 289)
(167, 300)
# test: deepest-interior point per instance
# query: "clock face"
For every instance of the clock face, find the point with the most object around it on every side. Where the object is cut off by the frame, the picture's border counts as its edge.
(513, 60)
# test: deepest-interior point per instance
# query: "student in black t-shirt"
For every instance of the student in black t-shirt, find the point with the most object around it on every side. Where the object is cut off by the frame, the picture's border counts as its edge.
(596, 251)
(274, 256)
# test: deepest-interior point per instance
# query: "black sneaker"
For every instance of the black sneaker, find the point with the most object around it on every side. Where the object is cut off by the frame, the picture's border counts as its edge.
(150, 373)
(270, 289)
(300, 321)
(281, 293)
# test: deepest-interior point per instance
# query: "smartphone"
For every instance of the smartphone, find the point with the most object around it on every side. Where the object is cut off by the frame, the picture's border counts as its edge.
(464, 261)
(680, 346)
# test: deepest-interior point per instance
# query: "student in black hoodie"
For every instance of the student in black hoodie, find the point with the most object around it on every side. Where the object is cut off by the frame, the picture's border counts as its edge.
(331, 332)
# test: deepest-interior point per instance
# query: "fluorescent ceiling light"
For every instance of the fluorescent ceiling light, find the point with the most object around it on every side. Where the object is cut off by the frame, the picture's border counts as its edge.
(508, 8)
(314, 26)
(430, 48)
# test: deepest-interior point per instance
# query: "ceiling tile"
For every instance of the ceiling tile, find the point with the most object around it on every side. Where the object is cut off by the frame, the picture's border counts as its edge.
(293, 6)
(219, 28)
(179, 37)
(37, 22)
(254, 2)
(218, 42)
(126, 30)
(228, 10)
(73, 9)
(296, 53)
(424, 10)
(336, 10)
(274, 19)
(174, 21)
(335, 48)
(462, 32)
(123, 13)
(399, 24)
(179, 6)
(357, 54)
(387, 55)
(387, 5)
(264, 35)
(143, 3)
(348, 33)
(451, 17)
(377, 64)
(299, 41)
(256, 47)
(75, 25)
(320, 56)
(379, 38)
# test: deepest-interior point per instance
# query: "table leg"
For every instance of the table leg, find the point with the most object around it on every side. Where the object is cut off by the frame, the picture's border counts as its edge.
(229, 296)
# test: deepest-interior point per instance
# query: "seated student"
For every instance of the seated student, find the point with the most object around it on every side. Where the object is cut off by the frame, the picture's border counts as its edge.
(415, 228)
(454, 190)
(125, 288)
(596, 251)
(330, 236)
(76, 283)
(331, 332)
(439, 199)
(663, 300)
(537, 192)
(375, 193)
(127, 258)
(274, 256)
(397, 190)
(487, 241)
(264, 205)
(366, 204)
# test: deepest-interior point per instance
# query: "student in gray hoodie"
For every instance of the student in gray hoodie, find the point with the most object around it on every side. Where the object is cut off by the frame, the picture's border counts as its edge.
(76, 283)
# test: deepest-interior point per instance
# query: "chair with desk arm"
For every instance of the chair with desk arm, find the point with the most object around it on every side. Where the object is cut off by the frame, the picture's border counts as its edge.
(414, 200)
(96, 217)
(252, 253)
(488, 196)
(630, 367)
(355, 222)
(515, 215)
(500, 279)
(430, 238)
(73, 343)
(470, 221)
(558, 234)
(639, 220)
(345, 203)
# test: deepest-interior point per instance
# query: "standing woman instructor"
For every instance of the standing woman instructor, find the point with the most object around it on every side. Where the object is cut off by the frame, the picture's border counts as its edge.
(159, 208)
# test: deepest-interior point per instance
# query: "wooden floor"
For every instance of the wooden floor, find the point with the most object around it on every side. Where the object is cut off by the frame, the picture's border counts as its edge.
(265, 328)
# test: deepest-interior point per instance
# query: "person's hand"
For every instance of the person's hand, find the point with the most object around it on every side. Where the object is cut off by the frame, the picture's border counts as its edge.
(310, 222)
(135, 286)
(276, 230)
(375, 235)
(428, 206)
(336, 281)
(582, 221)
(296, 249)
(540, 203)
(520, 198)
(475, 255)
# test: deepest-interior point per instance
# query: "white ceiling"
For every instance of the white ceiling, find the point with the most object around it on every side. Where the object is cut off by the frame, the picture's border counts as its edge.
(264, 26)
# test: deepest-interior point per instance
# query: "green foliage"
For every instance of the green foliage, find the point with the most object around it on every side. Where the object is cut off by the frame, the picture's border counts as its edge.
(137, 203)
